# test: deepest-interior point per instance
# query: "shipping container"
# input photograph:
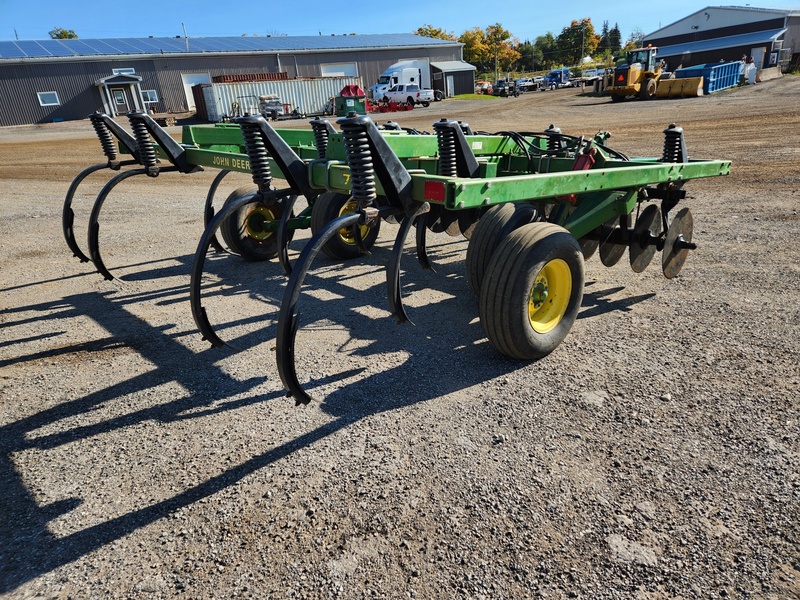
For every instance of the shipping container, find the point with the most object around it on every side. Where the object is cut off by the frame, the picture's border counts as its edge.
(306, 96)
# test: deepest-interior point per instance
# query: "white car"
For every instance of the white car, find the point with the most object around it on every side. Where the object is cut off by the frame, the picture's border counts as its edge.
(526, 84)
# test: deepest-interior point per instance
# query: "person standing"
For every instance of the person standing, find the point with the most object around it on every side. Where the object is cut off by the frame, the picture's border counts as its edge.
(750, 71)
(742, 66)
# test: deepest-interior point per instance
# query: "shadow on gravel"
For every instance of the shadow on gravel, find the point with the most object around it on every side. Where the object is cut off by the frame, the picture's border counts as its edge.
(445, 353)
(597, 303)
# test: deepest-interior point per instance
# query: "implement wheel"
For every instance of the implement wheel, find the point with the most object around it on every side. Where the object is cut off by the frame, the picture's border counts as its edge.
(245, 231)
(533, 291)
(331, 205)
(489, 231)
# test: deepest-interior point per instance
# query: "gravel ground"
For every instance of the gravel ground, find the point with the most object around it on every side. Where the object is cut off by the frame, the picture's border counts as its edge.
(654, 454)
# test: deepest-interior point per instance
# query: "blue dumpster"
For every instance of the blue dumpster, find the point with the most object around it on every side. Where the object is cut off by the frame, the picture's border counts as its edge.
(716, 76)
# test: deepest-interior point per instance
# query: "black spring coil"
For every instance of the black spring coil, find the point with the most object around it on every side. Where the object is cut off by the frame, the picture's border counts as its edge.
(359, 157)
(554, 142)
(446, 140)
(258, 155)
(106, 139)
(321, 137)
(147, 153)
(674, 149)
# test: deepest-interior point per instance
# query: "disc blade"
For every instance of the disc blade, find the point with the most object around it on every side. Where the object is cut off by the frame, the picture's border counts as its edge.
(646, 233)
(675, 253)
(612, 249)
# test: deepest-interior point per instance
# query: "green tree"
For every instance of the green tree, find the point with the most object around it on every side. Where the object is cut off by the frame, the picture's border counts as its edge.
(635, 39)
(546, 51)
(476, 52)
(497, 41)
(434, 32)
(527, 52)
(576, 41)
(59, 33)
(604, 44)
(614, 39)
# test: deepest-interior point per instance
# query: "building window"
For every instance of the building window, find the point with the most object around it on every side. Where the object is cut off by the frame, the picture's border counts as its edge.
(339, 70)
(149, 96)
(127, 71)
(48, 99)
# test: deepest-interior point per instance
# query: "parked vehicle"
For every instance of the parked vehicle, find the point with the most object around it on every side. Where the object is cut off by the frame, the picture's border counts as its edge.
(505, 89)
(558, 78)
(638, 76)
(404, 72)
(483, 87)
(527, 84)
(410, 94)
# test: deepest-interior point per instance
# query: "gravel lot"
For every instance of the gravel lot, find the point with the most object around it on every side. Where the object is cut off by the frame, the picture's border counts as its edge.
(654, 454)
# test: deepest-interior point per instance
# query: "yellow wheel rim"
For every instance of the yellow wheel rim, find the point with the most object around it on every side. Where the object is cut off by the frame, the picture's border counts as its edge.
(549, 296)
(257, 219)
(346, 233)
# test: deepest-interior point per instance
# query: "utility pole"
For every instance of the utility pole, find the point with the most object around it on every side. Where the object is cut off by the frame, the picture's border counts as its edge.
(583, 36)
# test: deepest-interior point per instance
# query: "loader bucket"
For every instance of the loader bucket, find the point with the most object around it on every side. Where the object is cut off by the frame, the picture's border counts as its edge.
(669, 88)
(692, 87)
(680, 88)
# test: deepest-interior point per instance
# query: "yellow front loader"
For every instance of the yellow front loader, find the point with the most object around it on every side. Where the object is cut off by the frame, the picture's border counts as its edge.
(642, 77)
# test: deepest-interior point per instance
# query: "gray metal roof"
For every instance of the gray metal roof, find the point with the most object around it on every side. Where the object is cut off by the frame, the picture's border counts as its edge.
(179, 45)
(731, 41)
(449, 66)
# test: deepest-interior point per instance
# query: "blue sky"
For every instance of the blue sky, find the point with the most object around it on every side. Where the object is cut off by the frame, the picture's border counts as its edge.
(525, 19)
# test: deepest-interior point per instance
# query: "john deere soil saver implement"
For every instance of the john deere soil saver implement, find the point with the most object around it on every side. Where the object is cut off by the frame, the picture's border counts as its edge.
(533, 205)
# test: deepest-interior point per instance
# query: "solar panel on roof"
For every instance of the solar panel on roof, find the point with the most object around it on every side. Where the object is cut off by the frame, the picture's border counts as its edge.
(32, 48)
(83, 48)
(147, 45)
(98, 47)
(129, 46)
(10, 50)
(55, 47)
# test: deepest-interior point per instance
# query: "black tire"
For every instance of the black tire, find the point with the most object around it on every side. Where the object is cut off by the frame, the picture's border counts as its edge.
(426, 104)
(341, 246)
(410, 101)
(438, 96)
(243, 231)
(617, 98)
(495, 224)
(386, 99)
(538, 259)
(648, 89)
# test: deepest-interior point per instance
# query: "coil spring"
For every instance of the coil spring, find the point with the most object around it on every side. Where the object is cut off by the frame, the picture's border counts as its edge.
(147, 153)
(554, 140)
(321, 137)
(258, 155)
(446, 141)
(359, 157)
(674, 148)
(106, 139)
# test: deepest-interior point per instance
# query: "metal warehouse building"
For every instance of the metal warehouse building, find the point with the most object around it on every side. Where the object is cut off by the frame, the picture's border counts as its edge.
(725, 33)
(52, 80)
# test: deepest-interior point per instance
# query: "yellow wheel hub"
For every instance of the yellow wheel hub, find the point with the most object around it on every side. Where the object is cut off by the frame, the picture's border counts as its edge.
(256, 222)
(549, 296)
(346, 233)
